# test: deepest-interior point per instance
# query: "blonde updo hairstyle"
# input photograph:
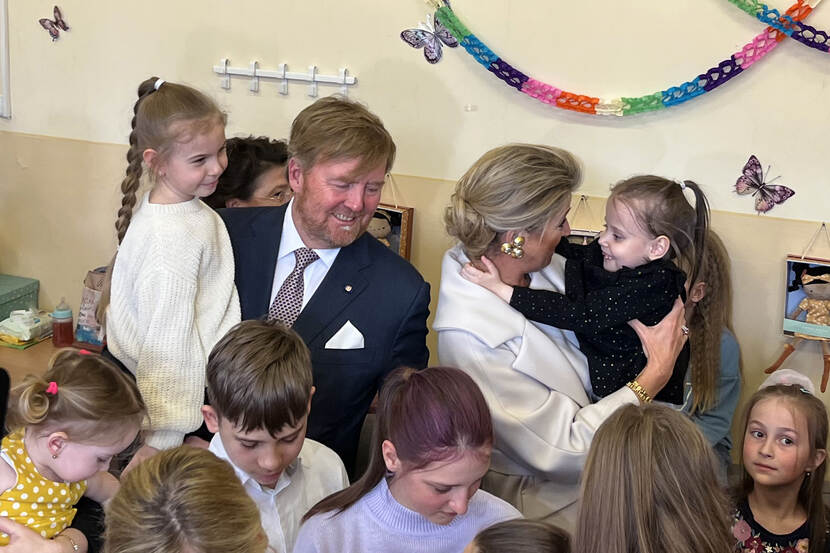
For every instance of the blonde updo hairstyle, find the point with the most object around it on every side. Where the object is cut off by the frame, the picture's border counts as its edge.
(183, 500)
(512, 187)
(95, 402)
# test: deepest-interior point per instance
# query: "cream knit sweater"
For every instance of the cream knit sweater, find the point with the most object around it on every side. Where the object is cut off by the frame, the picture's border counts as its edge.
(173, 297)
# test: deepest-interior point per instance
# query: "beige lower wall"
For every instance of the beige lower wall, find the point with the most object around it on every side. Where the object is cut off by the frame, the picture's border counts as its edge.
(58, 200)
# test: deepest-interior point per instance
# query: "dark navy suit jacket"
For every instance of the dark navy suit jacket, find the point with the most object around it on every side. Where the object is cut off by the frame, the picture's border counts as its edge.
(382, 295)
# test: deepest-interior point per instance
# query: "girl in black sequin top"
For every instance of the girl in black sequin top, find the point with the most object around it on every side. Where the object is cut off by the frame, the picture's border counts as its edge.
(629, 272)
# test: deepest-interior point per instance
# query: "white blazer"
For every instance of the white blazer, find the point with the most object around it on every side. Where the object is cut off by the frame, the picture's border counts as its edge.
(535, 381)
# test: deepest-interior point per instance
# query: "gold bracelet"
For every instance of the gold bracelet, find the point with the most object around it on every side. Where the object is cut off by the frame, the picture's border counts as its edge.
(640, 391)
(75, 546)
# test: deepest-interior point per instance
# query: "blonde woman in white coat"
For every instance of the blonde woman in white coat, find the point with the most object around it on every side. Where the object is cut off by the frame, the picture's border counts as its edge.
(511, 206)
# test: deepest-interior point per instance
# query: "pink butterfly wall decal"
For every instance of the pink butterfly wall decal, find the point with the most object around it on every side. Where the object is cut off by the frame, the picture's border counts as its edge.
(54, 27)
(752, 181)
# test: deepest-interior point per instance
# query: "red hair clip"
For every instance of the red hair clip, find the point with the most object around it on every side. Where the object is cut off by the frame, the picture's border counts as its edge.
(85, 352)
(52, 388)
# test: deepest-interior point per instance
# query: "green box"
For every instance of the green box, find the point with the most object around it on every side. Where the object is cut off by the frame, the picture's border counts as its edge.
(17, 293)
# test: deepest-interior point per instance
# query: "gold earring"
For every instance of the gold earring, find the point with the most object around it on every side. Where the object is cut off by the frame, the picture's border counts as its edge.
(514, 250)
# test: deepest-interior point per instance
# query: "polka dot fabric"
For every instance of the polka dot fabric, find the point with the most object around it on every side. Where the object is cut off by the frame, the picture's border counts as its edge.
(289, 300)
(597, 306)
(44, 506)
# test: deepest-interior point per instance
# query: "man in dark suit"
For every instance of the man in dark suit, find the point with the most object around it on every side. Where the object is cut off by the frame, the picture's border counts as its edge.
(364, 308)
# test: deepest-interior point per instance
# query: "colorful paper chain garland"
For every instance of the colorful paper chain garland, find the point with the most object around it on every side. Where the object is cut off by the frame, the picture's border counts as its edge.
(801, 32)
(780, 27)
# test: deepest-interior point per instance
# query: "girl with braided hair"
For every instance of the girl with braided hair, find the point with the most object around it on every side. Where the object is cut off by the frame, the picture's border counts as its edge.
(171, 294)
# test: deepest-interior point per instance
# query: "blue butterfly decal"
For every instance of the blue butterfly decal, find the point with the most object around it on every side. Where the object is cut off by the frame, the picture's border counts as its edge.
(429, 37)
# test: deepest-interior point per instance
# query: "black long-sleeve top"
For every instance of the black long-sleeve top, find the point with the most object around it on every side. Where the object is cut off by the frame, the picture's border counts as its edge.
(597, 305)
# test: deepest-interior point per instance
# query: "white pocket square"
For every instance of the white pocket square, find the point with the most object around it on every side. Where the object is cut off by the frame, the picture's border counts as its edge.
(348, 337)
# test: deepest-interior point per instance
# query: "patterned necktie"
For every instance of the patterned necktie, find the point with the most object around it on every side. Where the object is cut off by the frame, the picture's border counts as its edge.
(289, 300)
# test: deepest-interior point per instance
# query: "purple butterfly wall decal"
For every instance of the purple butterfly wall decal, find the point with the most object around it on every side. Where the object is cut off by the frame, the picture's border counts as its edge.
(429, 37)
(752, 181)
(54, 27)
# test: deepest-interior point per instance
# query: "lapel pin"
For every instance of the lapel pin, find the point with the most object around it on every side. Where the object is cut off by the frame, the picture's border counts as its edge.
(348, 288)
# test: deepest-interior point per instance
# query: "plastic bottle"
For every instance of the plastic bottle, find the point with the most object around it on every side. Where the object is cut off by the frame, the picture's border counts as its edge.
(62, 331)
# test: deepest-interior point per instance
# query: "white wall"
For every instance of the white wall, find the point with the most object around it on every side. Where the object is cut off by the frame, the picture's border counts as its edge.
(83, 85)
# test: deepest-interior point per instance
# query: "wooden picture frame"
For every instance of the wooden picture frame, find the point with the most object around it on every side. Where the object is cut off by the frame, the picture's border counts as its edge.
(400, 220)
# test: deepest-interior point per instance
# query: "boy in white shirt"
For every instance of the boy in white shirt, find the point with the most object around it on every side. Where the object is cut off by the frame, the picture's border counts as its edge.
(259, 387)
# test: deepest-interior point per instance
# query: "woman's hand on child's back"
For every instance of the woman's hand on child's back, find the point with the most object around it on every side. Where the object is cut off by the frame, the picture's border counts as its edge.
(144, 453)
(488, 278)
(662, 344)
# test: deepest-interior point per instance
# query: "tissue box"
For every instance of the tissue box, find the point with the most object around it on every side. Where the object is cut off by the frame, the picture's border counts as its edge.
(17, 293)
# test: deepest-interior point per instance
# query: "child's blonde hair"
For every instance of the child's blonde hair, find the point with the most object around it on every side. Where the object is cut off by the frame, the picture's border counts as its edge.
(82, 394)
(649, 486)
(512, 187)
(810, 491)
(522, 536)
(710, 316)
(183, 500)
(164, 114)
(661, 209)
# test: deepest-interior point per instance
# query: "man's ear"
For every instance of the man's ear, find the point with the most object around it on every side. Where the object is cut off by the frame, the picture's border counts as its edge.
(56, 442)
(658, 247)
(211, 418)
(295, 175)
(390, 456)
(697, 292)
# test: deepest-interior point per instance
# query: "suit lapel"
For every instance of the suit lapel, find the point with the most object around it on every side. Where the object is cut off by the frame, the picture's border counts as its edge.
(343, 283)
(266, 231)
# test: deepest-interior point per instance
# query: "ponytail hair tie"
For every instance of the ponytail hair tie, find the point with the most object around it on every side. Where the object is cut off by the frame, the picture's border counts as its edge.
(682, 184)
(158, 83)
(52, 388)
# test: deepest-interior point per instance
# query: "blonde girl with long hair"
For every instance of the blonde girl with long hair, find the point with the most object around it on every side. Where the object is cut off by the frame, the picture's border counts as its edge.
(66, 426)
(183, 500)
(649, 486)
(172, 293)
(714, 376)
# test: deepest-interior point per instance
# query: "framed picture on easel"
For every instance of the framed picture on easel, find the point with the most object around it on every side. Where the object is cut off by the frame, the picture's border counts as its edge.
(807, 312)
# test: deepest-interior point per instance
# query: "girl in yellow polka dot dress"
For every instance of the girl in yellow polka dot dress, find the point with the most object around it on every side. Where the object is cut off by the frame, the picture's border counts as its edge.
(65, 428)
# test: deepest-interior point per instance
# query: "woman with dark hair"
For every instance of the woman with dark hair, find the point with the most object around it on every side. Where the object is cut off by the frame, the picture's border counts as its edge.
(256, 175)
(430, 449)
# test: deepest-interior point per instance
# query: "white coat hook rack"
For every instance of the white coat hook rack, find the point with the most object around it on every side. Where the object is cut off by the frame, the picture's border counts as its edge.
(254, 80)
(255, 73)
